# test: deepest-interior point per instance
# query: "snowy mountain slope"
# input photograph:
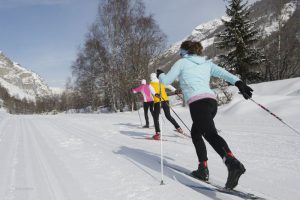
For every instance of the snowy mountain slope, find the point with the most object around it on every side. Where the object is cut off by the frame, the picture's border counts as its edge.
(200, 33)
(19, 81)
(272, 25)
(92, 157)
(16, 91)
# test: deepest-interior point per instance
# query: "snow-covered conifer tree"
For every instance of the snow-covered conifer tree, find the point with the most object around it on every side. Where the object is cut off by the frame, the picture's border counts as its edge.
(238, 39)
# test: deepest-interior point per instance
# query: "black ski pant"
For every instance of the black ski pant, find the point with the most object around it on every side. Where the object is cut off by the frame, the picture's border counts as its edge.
(166, 108)
(146, 106)
(203, 112)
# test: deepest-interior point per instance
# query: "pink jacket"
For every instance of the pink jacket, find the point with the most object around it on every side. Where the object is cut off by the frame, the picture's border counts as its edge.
(145, 90)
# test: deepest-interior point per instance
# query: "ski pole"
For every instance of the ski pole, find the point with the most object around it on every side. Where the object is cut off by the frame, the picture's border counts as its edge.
(180, 97)
(161, 142)
(140, 116)
(161, 156)
(134, 98)
(138, 109)
(163, 119)
(176, 115)
(218, 130)
(274, 115)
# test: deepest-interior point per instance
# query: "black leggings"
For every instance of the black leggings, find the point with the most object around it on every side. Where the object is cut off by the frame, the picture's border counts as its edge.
(165, 107)
(146, 106)
(203, 112)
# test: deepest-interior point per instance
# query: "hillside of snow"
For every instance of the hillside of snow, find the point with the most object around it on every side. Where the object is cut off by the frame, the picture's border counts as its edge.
(20, 82)
(104, 156)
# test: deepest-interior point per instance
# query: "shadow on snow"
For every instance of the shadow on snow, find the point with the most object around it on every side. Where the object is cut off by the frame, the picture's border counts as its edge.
(146, 160)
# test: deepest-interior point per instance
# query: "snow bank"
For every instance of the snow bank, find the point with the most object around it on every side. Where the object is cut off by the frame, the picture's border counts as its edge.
(280, 97)
(288, 87)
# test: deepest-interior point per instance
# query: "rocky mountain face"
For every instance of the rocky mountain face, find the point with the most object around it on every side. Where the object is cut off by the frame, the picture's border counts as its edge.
(20, 82)
(268, 15)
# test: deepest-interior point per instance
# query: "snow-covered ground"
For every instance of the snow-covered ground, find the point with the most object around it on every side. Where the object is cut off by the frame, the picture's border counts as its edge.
(98, 156)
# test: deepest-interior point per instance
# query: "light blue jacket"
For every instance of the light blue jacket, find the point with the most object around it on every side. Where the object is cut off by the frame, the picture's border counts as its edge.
(194, 74)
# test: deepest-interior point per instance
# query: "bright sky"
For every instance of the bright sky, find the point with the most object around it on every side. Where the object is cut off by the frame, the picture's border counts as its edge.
(44, 35)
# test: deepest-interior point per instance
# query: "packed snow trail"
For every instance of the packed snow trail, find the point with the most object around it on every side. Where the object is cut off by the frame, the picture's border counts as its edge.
(30, 168)
(62, 157)
(78, 157)
(96, 156)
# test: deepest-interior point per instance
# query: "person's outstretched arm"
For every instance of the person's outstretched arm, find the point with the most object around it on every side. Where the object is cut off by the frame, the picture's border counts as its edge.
(244, 89)
(171, 76)
(137, 89)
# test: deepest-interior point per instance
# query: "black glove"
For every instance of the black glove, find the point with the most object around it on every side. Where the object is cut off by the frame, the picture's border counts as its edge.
(245, 90)
(157, 95)
(178, 91)
(158, 72)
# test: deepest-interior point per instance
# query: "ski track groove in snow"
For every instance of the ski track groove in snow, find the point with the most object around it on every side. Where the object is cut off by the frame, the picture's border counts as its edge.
(8, 150)
(89, 156)
(57, 173)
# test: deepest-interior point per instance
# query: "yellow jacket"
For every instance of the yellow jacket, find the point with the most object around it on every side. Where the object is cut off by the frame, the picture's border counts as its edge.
(159, 88)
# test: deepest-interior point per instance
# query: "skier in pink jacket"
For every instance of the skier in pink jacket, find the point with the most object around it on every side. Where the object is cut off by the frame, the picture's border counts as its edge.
(147, 98)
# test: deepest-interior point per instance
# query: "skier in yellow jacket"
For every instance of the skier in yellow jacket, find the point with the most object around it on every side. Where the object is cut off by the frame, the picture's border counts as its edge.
(158, 90)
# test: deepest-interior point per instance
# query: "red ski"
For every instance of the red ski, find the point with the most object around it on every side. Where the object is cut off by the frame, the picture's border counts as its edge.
(148, 138)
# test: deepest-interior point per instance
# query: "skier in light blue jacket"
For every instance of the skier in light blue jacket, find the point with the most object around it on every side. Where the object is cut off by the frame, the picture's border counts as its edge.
(194, 73)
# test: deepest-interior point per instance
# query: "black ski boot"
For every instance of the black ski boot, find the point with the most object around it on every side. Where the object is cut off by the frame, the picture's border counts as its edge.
(202, 172)
(146, 126)
(235, 170)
